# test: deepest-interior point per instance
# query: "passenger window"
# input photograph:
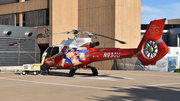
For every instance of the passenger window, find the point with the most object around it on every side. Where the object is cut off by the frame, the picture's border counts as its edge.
(55, 51)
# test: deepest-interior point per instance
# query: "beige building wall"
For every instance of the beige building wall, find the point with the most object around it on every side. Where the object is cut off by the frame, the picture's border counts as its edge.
(98, 16)
(128, 23)
(174, 21)
(63, 17)
(120, 19)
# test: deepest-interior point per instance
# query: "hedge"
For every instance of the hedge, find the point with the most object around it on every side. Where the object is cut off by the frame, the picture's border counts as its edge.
(177, 70)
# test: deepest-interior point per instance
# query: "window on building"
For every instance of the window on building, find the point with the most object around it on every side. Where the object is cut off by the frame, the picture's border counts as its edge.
(37, 18)
(7, 19)
(165, 38)
(4, 2)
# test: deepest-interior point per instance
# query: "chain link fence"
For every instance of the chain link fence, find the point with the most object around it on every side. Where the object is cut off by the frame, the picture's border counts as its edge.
(24, 53)
(135, 64)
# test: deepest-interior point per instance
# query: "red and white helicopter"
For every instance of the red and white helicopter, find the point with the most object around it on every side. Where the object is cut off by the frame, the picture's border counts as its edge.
(79, 52)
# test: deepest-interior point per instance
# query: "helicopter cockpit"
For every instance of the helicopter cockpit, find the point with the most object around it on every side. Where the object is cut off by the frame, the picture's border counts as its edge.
(67, 45)
(76, 42)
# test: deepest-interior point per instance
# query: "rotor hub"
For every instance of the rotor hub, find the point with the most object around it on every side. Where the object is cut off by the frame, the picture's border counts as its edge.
(150, 49)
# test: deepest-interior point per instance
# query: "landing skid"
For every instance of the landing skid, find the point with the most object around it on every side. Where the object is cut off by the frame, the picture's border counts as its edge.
(44, 70)
(94, 70)
(72, 72)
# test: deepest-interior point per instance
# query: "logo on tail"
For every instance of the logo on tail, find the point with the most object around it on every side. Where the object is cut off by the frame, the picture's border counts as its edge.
(154, 30)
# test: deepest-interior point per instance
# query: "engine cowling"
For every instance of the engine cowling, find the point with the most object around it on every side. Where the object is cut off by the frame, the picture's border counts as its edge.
(93, 44)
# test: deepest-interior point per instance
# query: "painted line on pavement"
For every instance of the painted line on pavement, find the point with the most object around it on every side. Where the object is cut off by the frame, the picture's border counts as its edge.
(89, 87)
(67, 85)
(98, 78)
(155, 85)
(123, 77)
(153, 75)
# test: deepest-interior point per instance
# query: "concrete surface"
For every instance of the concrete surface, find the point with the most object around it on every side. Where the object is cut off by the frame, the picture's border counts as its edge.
(10, 68)
(110, 85)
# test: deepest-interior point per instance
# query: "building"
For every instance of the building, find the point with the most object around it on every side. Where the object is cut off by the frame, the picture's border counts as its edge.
(174, 21)
(120, 19)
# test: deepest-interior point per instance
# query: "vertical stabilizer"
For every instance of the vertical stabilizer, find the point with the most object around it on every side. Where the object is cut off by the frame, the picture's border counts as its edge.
(152, 47)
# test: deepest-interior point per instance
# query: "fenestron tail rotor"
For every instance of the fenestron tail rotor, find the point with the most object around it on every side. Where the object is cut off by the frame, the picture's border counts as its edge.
(150, 49)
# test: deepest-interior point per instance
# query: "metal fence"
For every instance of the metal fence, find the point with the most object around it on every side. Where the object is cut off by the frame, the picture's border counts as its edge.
(24, 53)
(135, 64)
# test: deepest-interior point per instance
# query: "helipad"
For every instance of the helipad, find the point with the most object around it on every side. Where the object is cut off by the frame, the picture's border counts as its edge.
(110, 85)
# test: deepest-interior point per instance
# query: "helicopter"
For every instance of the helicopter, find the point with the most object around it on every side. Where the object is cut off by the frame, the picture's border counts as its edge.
(79, 52)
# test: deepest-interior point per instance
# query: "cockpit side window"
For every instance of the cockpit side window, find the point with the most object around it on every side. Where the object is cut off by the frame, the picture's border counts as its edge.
(55, 51)
(49, 52)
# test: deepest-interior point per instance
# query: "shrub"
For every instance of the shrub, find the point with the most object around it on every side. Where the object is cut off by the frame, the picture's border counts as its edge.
(177, 70)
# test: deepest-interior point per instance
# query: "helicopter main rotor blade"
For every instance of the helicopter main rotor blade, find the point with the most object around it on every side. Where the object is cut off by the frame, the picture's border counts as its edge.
(122, 42)
(89, 33)
(94, 34)
(38, 36)
(75, 32)
(68, 32)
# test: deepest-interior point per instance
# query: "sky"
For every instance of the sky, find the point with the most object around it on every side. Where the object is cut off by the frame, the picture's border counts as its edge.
(158, 9)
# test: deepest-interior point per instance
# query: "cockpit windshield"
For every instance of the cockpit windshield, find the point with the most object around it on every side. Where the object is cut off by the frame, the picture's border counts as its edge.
(48, 52)
(51, 51)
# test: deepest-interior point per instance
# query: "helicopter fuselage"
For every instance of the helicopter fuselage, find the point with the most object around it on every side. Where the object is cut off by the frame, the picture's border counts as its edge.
(93, 55)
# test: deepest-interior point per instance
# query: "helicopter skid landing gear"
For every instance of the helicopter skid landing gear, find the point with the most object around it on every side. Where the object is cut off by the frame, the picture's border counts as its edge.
(94, 70)
(44, 70)
(72, 72)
